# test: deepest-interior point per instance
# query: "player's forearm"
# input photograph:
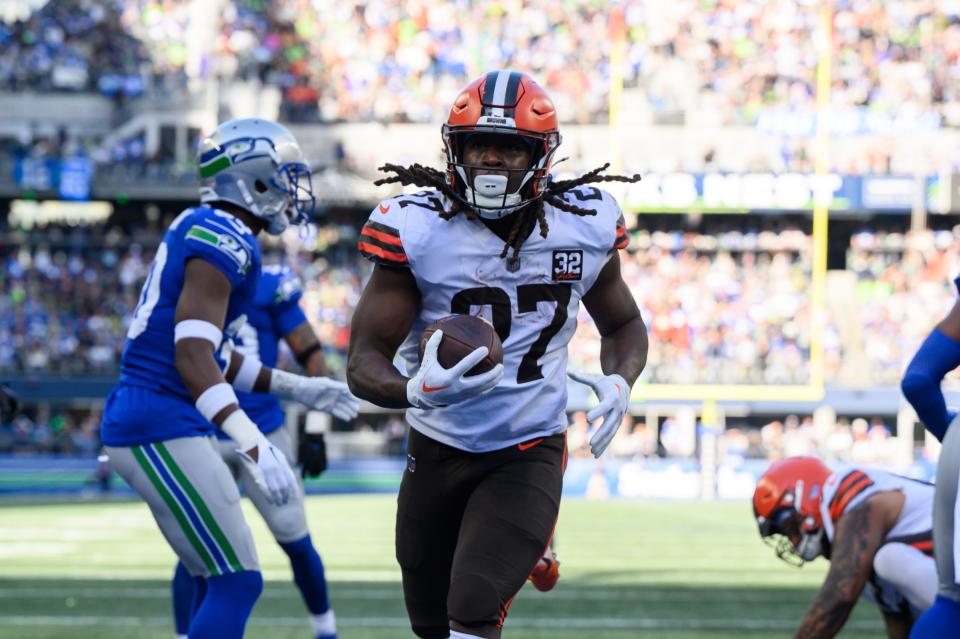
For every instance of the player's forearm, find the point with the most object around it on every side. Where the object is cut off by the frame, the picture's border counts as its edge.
(373, 377)
(308, 350)
(199, 371)
(196, 365)
(315, 364)
(248, 374)
(938, 355)
(825, 618)
(624, 351)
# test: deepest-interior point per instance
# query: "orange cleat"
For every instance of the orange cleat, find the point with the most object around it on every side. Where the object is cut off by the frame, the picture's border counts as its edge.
(546, 573)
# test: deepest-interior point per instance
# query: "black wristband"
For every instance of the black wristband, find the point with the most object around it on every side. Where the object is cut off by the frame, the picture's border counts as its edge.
(303, 357)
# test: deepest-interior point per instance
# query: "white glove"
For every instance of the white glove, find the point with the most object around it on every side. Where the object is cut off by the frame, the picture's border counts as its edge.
(270, 471)
(614, 394)
(318, 393)
(435, 386)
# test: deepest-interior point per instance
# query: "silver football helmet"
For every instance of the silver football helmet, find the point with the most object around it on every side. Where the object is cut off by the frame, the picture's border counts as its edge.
(257, 164)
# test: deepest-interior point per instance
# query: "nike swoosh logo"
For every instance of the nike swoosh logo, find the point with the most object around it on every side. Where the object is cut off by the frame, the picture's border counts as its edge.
(384, 209)
(528, 445)
(431, 389)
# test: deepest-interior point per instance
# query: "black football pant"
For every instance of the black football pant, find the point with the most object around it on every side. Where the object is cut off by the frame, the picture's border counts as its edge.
(471, 527)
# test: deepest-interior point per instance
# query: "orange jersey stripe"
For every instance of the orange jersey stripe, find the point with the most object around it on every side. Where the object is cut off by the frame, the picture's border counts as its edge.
(503, 612)
(622, 242)
(376, 251)
(852, 486)
(845, 484)
(383, 237)
(926, 547)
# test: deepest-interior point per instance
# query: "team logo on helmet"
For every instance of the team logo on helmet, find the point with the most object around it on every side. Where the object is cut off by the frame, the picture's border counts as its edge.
(257, 165)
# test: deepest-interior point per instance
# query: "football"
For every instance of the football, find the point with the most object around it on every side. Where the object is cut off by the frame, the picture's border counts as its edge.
(463, 334)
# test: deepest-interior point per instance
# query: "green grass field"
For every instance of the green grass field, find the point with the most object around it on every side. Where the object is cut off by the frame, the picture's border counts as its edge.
(676, 570)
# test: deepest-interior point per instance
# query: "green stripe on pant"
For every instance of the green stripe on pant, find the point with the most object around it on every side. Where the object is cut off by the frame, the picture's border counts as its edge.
(177, 511)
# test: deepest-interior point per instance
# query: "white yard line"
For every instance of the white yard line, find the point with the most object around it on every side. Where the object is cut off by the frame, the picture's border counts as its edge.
(576, 623)
(375, 594)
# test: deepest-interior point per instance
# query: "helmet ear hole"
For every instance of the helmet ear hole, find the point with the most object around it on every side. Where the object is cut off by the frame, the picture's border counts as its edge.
(260, 186)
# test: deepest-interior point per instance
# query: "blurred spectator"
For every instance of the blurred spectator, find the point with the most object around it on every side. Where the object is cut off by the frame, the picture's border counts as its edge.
(387, 60)
(72, 45)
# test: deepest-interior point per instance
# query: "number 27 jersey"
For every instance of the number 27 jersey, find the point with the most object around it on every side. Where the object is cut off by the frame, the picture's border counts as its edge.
(532, 305)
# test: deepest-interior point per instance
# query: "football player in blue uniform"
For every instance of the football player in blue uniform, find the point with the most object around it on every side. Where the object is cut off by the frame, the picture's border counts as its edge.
(938, 355)
(177, 369)
(275, 315)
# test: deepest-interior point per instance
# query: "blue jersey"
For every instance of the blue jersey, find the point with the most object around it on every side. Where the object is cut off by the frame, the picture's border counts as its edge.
(274, 314)
(151, 403)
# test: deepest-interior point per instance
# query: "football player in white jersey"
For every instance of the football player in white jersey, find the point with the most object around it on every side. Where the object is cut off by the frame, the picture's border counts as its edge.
(873, 526)
(481, 493)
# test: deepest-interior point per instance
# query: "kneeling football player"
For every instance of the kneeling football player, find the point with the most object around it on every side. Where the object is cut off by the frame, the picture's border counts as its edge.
(873, 527)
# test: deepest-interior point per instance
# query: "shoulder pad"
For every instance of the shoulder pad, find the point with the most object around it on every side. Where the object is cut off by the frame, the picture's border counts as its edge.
(607, 214)
(223, 233)
(845, 489)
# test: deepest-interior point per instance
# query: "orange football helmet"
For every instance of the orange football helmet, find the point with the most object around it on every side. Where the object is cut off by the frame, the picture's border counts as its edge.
(786, 503)
(502, 103)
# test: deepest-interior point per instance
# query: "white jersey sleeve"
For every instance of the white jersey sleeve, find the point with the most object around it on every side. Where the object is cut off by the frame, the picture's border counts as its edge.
(532, 303)
(850, 487)
(381, 239)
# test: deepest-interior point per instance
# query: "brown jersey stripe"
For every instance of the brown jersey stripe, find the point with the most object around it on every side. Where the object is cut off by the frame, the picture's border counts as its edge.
(851, 486)
(381, 237)
(383, 228)
(381, 255)
(390, 248)
(845, 483)
(921, 541)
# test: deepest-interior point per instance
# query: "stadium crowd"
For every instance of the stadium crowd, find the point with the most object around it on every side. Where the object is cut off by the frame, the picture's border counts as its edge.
(403, 61)
(726, 307)
(72, 45)
(729, 307)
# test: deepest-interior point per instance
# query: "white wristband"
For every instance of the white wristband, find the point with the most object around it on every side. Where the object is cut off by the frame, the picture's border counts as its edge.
(199, 329)
(283, 384)
(246, 377)
(242, 430)
(215, 399)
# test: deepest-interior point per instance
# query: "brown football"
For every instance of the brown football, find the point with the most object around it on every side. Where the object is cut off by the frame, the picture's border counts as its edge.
(463, 334)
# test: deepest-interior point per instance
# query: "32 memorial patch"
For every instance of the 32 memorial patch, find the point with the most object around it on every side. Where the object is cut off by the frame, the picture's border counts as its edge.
(567, 265)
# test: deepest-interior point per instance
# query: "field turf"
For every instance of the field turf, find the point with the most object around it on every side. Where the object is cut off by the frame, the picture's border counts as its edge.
(672, 570)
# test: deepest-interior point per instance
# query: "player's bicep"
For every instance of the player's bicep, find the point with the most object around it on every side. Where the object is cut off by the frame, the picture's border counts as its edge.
(386, 310)
(609, 301)
(205, 294)
(859, 535)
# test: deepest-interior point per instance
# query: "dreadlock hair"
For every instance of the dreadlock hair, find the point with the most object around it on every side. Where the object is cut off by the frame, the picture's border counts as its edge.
(427, 177)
